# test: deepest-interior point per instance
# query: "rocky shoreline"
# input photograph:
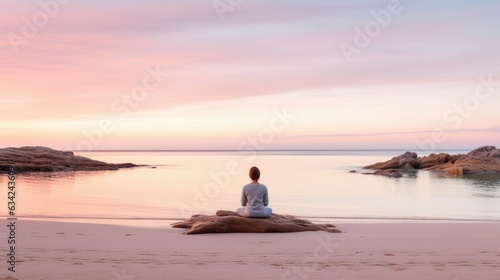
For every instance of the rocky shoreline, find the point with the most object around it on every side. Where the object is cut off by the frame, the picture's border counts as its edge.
(483, 160)
(43, 159)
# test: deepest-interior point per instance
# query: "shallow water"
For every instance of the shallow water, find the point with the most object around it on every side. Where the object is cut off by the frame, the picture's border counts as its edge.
(314, 184)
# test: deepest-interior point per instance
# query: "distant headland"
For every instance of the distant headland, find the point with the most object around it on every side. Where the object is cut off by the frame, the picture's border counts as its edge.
(43, 159)
(483, 160)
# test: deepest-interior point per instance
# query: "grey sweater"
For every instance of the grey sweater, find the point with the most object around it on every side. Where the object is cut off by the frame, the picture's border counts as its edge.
(254, 197)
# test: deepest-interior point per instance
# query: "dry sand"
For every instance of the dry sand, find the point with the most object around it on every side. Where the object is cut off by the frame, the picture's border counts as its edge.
(408, 250)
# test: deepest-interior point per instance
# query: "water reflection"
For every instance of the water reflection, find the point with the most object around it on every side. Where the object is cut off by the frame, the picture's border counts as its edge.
(413, 174)
(488, 181)
(484, 185)
(479, 179)
(441, 175)
(44, 182)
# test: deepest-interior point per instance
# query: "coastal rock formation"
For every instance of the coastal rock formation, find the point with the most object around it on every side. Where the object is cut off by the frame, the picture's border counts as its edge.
(479, 161)
(483, 160)
(231, 222)
(43, 159)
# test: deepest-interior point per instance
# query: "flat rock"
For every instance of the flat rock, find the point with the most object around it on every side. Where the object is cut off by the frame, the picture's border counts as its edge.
(387, 172)
(43, 159)
(482, 160)
(230, 222)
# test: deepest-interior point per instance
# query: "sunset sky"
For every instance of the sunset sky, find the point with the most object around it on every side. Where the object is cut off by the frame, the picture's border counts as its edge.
(237, 74)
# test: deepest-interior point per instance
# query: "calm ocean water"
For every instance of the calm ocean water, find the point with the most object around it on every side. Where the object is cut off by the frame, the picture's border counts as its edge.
(314, 184)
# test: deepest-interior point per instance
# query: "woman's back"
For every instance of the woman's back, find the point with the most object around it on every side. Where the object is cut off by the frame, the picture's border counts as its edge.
(255, 196)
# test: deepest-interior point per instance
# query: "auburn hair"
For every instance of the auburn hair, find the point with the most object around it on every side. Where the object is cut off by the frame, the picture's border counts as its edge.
(254, 173)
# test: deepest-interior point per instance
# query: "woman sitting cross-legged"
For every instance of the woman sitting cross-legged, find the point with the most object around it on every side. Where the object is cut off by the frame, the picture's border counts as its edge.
(255, 198)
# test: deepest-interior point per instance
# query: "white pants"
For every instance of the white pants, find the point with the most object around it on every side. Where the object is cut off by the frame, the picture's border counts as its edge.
(264, 213)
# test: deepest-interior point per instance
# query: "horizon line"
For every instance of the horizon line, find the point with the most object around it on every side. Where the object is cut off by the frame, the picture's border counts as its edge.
(271, 150)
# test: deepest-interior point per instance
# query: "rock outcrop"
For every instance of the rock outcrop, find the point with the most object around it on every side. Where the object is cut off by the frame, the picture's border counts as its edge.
(387, 172)
(43, 159)
(407, 160)
(482, 160)
(231, 222)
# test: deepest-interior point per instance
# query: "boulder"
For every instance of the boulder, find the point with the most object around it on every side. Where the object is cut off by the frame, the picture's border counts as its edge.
(483, 160)
(433, 160)
(486, 152)
(43, 159)
(407, 160)
(230, 222)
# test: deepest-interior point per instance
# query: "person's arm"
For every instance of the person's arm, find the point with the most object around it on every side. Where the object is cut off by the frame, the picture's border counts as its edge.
(243, 198)
(266, 197)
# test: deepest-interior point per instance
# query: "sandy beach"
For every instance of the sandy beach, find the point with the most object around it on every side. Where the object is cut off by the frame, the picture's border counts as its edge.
(382, 250)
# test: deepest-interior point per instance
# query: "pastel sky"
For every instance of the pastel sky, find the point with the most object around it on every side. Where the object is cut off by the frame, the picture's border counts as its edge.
(185, 74)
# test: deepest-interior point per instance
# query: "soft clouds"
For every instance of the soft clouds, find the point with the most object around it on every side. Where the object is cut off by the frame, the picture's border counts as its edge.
(93, 52)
